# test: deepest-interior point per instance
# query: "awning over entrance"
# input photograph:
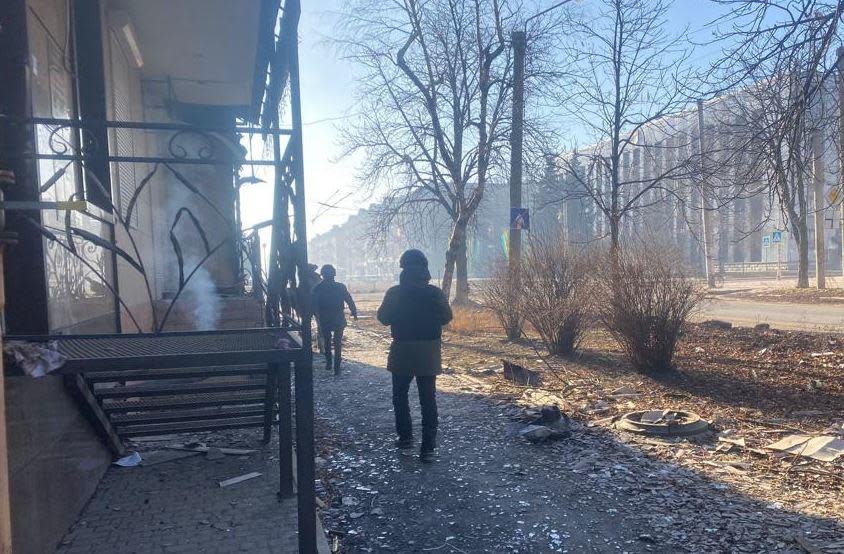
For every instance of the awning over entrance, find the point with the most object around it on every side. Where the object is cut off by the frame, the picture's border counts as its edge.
(213, 52)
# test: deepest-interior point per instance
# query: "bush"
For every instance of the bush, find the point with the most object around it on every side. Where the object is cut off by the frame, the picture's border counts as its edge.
(556, 293)
(500, 295)
(647, 298)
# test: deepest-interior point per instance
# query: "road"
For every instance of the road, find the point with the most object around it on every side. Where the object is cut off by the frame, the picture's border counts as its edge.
(805, 317)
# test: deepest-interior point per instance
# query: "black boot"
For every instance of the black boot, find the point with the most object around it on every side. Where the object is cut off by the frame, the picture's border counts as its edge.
(328, 361)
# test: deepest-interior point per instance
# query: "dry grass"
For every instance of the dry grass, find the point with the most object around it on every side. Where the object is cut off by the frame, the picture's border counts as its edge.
(473, 319)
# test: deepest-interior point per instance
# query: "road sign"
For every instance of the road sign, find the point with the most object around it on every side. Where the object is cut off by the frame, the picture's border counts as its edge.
(519, 219)
(776, 237)
(834, 195)
(766, 241)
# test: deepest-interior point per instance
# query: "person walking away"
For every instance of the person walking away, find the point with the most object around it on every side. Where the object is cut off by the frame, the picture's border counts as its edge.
(312, 279)
(329, 301)
(416, 311)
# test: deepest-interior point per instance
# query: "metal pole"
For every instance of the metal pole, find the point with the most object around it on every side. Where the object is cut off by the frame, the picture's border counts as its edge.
(519, 40)
(304, 385)
(5, 502)
(706, 201)
(820, 201)
(840, 64)
(285, 433)
(779, 258)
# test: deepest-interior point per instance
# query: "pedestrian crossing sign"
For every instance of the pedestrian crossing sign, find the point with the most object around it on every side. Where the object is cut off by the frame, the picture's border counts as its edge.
(766, 241)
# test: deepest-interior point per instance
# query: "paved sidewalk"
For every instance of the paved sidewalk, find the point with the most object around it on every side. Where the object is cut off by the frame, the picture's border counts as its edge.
(178, 506)
(493, 492)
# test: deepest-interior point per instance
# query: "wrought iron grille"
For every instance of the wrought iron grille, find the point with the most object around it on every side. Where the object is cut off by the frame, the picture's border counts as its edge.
(80, 242)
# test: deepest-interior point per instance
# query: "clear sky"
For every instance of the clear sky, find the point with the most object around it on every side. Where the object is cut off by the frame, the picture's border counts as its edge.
(327, 98)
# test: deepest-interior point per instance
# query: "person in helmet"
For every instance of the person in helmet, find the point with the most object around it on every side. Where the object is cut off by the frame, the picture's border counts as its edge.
(416, 311)
(329, 300)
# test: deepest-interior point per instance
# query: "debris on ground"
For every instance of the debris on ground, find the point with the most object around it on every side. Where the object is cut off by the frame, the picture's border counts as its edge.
(521, 375)
(130, 460)
(625, 392)
(35, 359)
(155, 457)
(717, 324)
(663, 422)
(239, 479)
(201, 447)
(215, 454)
(697, 493)
(825, 448)
(549, 424)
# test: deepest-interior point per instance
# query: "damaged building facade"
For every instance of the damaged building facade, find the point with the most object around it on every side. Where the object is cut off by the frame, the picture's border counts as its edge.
(126, 131)
(746, 213)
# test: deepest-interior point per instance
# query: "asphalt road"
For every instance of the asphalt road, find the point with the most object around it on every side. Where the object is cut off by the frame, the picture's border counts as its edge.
(805, 317)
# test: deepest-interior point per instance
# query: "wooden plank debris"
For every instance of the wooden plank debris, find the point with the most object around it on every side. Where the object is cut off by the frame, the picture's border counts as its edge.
(231, 451)
(239, 479)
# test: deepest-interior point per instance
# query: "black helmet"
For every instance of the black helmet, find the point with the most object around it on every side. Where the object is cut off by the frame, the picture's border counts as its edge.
(328, 271)
(413, 258)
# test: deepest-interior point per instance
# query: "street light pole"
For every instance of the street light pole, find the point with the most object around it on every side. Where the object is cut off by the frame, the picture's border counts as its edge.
(518, 39)
(519, 42)
(840, 66)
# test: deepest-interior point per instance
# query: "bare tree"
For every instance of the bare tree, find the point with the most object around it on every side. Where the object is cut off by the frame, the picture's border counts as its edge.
(779, 57)
(628, 75)
(770, 37)
(434, 96)
(779, 149)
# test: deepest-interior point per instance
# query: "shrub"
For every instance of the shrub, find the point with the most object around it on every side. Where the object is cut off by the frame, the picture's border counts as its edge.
(647, 297)
(500, 294)
(556, 293)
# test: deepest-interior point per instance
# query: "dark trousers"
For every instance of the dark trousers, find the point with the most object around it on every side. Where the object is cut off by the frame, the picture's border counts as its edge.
(427, 399)
(332, 339)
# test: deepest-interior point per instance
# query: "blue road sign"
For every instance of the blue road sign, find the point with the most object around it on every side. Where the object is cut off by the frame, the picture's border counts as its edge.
(519, 219)
(776, 237)
(766, 241)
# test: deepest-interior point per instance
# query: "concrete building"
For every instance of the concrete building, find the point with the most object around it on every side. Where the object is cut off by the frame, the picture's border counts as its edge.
(149, 112)
(747, 216)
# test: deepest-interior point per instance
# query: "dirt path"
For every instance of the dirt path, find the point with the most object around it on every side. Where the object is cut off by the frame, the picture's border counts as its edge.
(492, 491)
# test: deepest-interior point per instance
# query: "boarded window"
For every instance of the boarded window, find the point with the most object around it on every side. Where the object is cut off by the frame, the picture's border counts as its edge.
(123, 139)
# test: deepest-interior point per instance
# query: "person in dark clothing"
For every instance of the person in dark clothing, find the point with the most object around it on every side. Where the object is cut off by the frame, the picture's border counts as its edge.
(312, 279)
(329, 298)
(416, 311)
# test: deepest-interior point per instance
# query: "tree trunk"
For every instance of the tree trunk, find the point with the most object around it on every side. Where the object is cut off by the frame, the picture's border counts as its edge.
(456, 245)
(615, 239)
(803, 259)
(461, 268)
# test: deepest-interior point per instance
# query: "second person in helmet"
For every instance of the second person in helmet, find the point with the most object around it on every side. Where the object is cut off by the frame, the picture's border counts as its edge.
(329, 298)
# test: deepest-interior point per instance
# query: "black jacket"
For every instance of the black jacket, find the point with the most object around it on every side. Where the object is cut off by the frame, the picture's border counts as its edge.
(414, 312)
(329, 298)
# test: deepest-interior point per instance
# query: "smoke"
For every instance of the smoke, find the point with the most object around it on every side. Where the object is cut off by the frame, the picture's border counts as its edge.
(201, 299)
